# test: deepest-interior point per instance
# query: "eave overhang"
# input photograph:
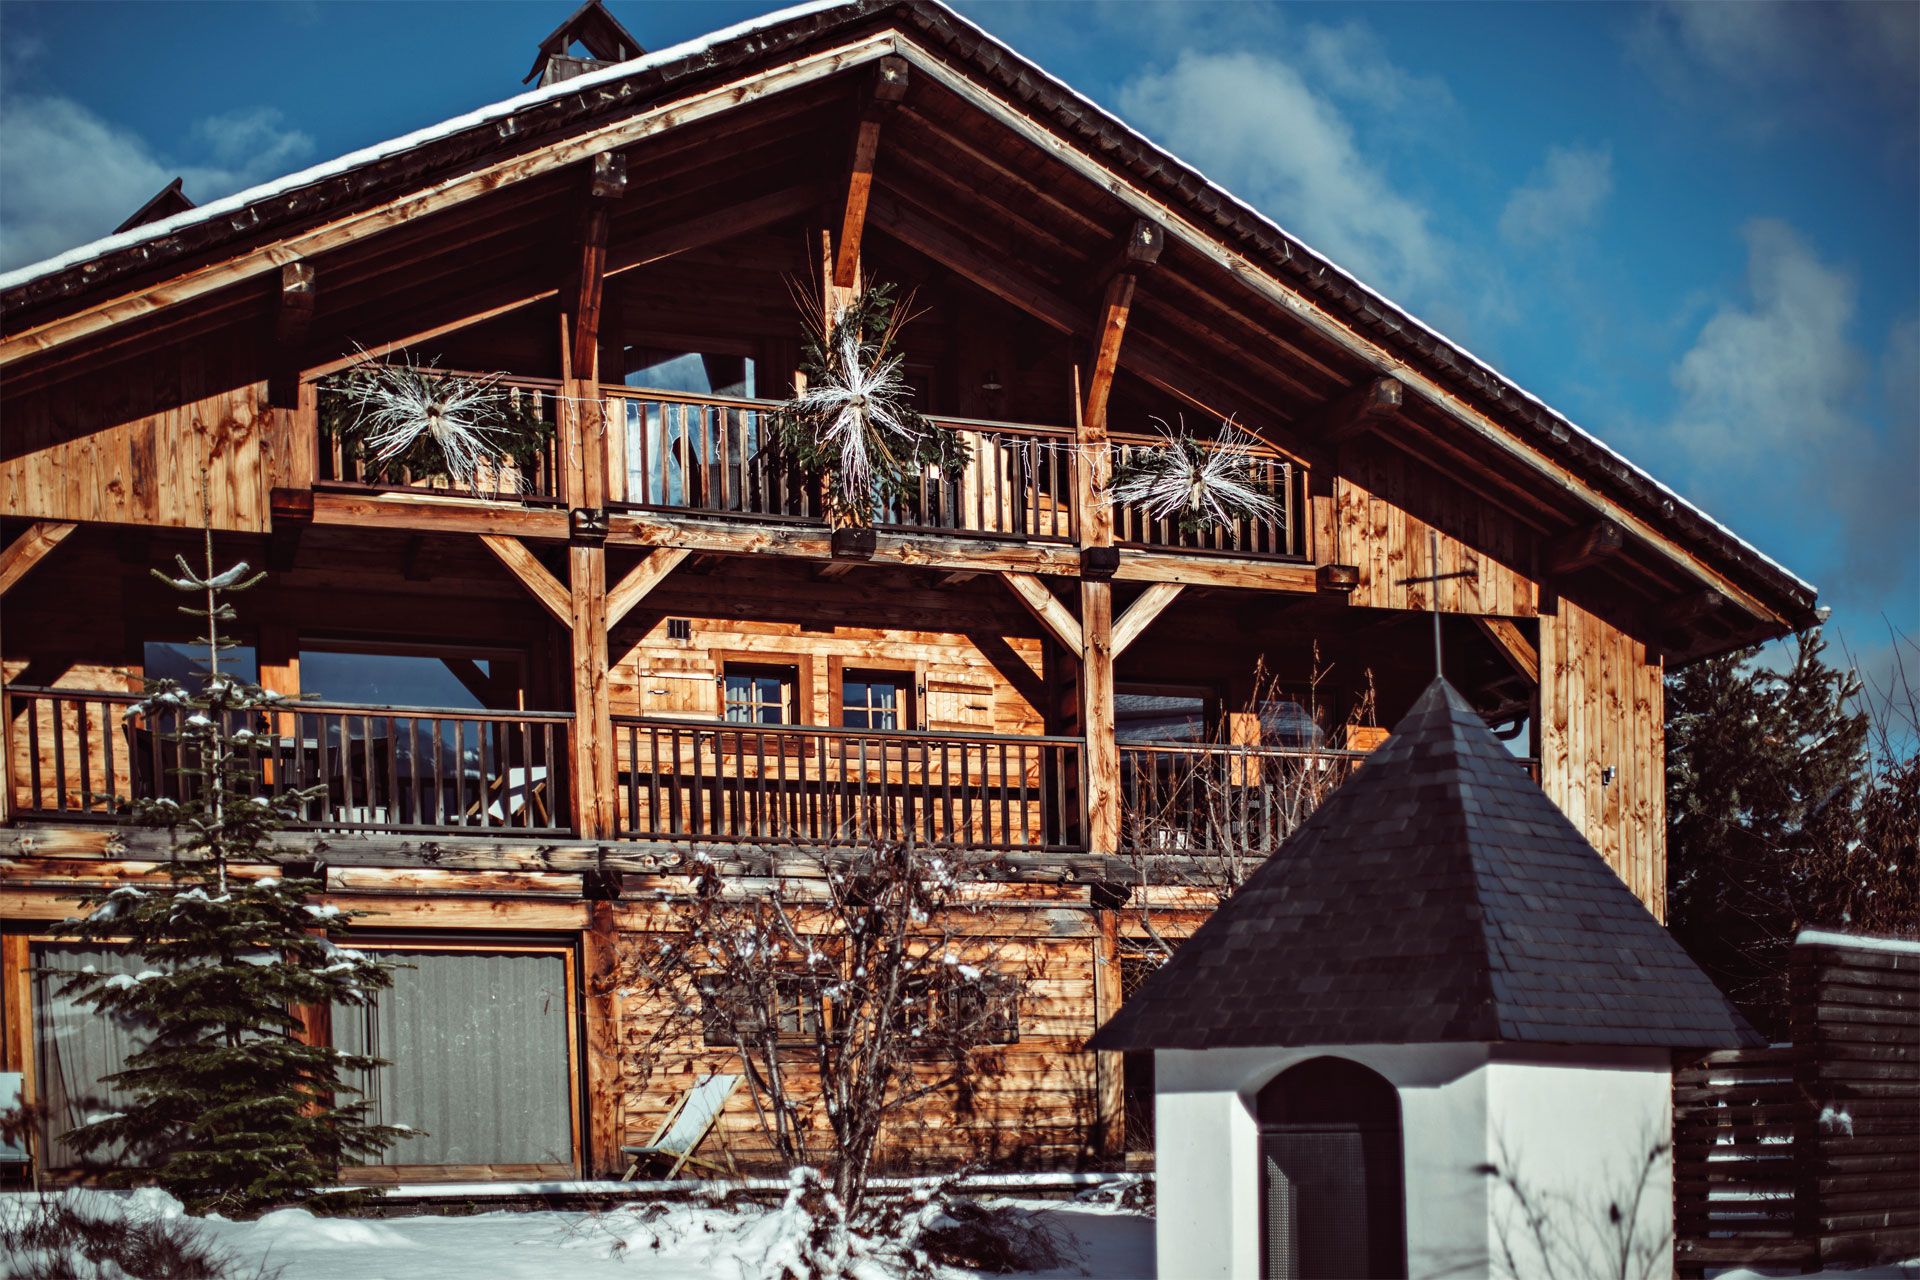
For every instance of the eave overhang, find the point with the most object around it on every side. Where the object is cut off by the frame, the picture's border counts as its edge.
(135, 274)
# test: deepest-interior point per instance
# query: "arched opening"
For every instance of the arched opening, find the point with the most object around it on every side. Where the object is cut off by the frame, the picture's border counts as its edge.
(1332, 1190)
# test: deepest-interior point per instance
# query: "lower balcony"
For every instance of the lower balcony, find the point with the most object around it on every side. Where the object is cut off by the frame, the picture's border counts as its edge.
(829, 788)
(79, 755)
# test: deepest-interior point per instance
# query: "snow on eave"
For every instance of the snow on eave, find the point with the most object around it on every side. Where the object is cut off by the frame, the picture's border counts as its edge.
(1859, 941)
(1254, 215)
(379, 151)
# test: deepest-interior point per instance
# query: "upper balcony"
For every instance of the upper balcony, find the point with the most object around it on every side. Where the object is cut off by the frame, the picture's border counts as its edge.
(678, 454)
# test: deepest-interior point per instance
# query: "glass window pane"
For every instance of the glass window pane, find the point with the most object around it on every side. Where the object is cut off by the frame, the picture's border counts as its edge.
(187, 662)
(477, 1053)
(75, 1046)
(1159, 717)
(386, 680)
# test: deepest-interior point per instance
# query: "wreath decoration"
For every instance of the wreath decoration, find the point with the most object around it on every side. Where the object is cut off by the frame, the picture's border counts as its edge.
(854, 425)
(400, 420)
(1201, 484)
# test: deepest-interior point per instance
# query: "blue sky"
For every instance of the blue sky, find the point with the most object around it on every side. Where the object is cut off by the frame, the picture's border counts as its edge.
(1695, 229)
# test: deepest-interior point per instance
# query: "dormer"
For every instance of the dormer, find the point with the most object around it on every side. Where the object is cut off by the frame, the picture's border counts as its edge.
(592, 29)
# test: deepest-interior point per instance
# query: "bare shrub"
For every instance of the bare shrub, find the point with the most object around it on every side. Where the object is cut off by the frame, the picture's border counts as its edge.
(69, 1237)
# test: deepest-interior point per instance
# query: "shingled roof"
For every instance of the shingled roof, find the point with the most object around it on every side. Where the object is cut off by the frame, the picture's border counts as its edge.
(1438, 896)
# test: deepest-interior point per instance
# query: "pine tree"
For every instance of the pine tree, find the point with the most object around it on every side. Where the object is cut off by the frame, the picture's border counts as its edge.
(233, 1110)
(1765, 771)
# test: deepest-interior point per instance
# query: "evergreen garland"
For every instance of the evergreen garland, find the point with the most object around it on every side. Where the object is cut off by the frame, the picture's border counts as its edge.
(399, 422)
(234, 1113)
(853, 425)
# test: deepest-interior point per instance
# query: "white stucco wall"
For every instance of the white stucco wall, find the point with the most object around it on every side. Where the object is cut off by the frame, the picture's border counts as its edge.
(1574, 1123)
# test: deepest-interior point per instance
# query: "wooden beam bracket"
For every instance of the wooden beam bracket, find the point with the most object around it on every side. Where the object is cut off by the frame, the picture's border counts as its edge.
(30, 548)
(1099, 564)
(1513, 646)
(1140, 614)
(1341, 579)
(1046, 607)
(534, 576)
(1139, 251)
(588, 525)
(641, 580)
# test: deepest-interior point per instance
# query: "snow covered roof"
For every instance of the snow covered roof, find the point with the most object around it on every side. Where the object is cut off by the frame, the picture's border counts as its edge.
(531, 119)
(1437, 896)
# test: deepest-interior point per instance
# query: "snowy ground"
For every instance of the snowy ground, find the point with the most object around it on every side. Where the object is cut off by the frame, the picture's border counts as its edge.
(683, 1242)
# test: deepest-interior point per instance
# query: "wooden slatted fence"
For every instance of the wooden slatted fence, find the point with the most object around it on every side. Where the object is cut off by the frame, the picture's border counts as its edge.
(1808, 1154)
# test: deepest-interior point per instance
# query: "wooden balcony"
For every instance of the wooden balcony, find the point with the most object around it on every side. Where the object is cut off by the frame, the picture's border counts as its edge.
(833, 788)
(711, 456)
(83, 756)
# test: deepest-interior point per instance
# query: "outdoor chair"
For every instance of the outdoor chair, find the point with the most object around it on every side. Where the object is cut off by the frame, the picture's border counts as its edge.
(685, 1127)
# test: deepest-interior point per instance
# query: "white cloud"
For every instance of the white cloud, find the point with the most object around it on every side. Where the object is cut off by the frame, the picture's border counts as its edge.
(1776, 419)
(1559, 198)
(68, 176)
(1252, 123)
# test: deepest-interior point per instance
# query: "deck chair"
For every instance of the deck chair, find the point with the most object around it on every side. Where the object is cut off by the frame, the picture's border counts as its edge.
(686, 1127)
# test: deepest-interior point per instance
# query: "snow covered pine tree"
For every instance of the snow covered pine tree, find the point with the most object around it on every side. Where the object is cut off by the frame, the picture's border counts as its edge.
(232, 1110)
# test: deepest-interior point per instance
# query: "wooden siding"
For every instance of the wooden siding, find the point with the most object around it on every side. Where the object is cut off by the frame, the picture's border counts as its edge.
(1602, 705)
(110, 455)
(1375, 528)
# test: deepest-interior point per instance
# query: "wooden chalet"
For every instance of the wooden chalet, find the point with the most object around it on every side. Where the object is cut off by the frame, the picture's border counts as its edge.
(527, 699)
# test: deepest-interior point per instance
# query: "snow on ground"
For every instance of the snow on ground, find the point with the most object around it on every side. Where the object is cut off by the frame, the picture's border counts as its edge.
(633, 1242)
(1891, 1271)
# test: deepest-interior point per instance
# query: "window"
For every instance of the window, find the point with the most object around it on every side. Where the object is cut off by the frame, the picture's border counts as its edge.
(1292, 720)
(410, 676)
(187, 663)
(876, 700)
(477, 1049)
(796, 1010)
(756, 694)
(75, 1047)
(694, 372)
(1147, 715)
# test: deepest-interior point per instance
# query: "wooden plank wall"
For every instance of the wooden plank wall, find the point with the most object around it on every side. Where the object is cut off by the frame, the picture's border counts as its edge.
(1602, 703)
(127, 451)
(1375, 495)
(1032, 1104)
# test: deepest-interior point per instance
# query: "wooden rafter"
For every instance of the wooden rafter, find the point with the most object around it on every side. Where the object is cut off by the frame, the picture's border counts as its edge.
(355, 227)
(1356, 413)
(293, 305)
(1587, 545)
(1140, 614)
(1045, 606)
(542, 585)
(888, 88)
(640, 580)
(1514, 647)
(29, 549)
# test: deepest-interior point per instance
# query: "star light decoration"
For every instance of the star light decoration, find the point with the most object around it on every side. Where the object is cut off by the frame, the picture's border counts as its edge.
(397, 416)
(1217, 483)
(854, 423)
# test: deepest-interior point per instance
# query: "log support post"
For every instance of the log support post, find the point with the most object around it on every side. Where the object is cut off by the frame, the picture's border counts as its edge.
(292, 316)
(605, 1122)
(1095, 524)
(888, 88)
(1110, 1132)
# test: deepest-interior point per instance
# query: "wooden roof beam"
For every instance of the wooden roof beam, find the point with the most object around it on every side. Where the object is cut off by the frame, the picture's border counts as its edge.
(888, 87)
(1140, 251)
(1353, 415)
(586, 285)
(293, 307)
(1587, 545)
(30, 548)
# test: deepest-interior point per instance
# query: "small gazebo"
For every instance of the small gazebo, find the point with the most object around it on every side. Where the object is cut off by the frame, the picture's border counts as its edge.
(1430, 1036)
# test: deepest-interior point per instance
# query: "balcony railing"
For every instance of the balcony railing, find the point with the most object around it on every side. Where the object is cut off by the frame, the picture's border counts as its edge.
(1284, 536)
(702, 453)
(679, 452)
(747, 783)
(1222, 800)
(83, 755)
(540, 484)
